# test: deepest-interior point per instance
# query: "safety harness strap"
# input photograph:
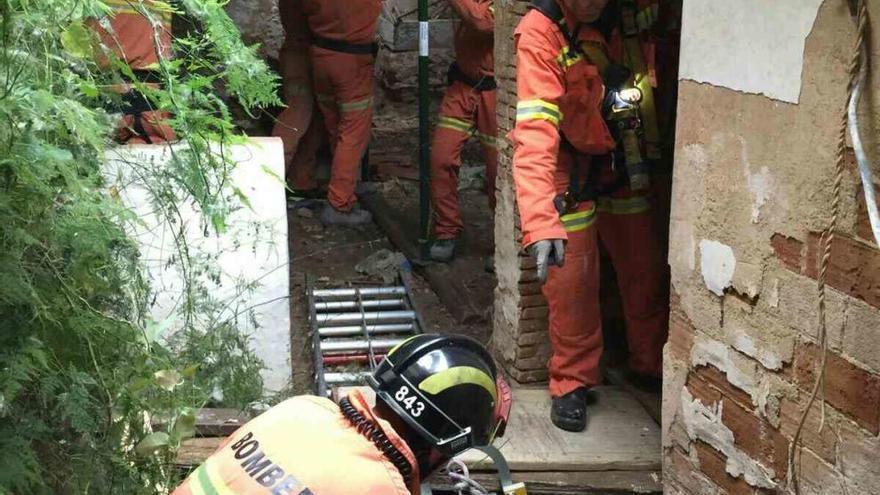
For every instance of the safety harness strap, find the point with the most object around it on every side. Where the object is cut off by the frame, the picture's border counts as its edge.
(346, 47)
(485, 83)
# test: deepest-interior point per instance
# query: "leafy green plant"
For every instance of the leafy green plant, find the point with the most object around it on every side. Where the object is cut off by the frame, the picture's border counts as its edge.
(94, 395)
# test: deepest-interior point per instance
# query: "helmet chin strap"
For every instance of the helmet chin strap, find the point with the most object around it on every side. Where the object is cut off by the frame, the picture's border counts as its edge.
(508, 487)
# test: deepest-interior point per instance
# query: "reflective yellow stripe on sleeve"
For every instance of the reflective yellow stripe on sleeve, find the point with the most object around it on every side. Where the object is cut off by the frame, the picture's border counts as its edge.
(538, 110)
(488, 140)
(456, 125)
(580, 220)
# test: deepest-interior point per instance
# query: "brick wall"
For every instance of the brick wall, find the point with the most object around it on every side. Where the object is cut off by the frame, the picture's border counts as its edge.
(520, 328)
(739, 366)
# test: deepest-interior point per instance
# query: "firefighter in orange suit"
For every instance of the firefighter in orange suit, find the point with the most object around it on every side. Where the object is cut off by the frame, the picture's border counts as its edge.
(299, 125)
(139, 34)
(342, 53)
(468, 109)
(584, 139)
(436, 397)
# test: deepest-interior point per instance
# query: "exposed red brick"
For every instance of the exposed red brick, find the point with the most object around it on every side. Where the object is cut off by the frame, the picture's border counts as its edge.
(527, 263)
(529, 288)
(679, 468)
(863, 223)
(756, 437)
(718, 379)
(789, 251)
(851, 390)
(529, 326)
(532, 301)
(854, 267)
(532, 338)
(529, 376)
(681, 334)
(702, 390)
(823, 443)
(535, 313)
(536, 363)
(712, 464)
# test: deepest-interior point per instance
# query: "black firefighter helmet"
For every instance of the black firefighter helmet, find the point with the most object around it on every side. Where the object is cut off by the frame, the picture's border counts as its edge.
(445, 388)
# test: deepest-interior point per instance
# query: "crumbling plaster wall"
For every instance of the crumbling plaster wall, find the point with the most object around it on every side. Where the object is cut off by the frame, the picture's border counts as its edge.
(752, 192)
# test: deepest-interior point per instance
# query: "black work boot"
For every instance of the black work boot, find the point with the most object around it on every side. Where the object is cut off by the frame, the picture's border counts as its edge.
(443, 250)
(569, 412)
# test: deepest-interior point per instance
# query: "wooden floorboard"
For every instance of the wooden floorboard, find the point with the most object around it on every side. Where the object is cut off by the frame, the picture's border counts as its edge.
(619, 451)
(620, 436)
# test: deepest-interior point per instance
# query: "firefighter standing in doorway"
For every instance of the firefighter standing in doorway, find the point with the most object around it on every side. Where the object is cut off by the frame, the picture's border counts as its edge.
(584, 140)
(342, 53)
(437, 396)
(468, 109)
(138, 34)
(299, 126)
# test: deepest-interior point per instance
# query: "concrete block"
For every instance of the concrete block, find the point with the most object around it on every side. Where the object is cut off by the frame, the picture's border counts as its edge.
(252, 249)
(858, 459)
(861, 340)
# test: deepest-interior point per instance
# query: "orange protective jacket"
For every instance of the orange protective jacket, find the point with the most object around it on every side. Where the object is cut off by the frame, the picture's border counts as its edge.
(131, 36)
(558, 92)
(475, 37)
(303, 446)
(352, 21)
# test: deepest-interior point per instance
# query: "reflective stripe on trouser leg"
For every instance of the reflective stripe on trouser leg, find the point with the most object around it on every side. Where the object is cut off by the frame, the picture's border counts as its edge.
(572, 293)
(626, 229)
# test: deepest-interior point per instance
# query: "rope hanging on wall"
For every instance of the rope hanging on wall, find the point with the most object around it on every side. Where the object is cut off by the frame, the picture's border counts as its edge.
(857, 71)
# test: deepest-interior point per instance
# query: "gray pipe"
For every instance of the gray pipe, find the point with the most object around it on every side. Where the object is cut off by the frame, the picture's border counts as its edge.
(358, 345)
(344, 378)
(349, 319)
(355, 330)
(354, 305)
(858, 147)
(352, 294)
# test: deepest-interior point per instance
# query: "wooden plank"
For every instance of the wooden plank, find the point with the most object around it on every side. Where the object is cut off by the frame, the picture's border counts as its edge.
(620, 436)
(195, 450)
(556, 483)
(451, 290)
(652, 402)
(219, 422)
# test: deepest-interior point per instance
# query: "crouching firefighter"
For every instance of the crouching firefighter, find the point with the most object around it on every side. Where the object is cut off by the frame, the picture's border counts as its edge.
(584, 140)
(436, 396)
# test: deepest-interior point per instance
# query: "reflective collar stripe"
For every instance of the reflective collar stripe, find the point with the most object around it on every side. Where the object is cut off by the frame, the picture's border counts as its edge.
(456, 124)
(538, 110)
(581, 220)
(354, 106)
(627, 206)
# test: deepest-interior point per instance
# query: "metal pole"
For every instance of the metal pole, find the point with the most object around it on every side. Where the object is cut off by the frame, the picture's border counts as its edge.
(424, 143)
(350, 319)
(351, 294)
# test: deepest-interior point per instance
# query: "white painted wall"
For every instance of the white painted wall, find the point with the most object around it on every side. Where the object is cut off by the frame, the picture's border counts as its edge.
(253, 249)
(746, 46)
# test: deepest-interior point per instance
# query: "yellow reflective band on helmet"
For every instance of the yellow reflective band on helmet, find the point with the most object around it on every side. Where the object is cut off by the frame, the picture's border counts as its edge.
(581, 220)
(355, 106)
(400, 344)
(538, 110)
(455, 124)
(567, 58)
(458, 375)
(627, 206)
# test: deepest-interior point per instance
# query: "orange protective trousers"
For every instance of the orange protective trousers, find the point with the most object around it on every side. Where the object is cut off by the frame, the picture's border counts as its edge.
(624, 225)
(344, 88)
(464, 112)
(299, 126)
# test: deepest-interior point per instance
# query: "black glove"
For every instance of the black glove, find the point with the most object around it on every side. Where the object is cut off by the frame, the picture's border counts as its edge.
(548, 252)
